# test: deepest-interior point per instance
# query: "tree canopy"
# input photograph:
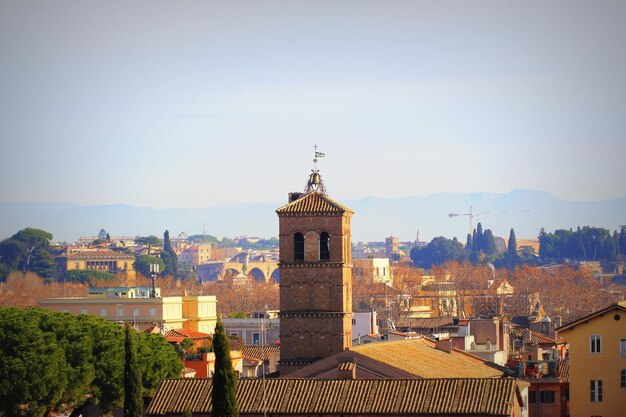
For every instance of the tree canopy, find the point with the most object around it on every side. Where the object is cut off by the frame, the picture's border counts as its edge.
(586, 244)
(149, 241)
(27, 250)
(143, 262)
(438, 251)
(58, 362)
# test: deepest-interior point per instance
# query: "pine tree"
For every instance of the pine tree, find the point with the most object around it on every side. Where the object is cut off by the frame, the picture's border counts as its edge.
(133, 389)
(224, 378)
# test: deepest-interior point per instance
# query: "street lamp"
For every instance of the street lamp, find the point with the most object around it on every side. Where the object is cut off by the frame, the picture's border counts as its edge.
(154, 270)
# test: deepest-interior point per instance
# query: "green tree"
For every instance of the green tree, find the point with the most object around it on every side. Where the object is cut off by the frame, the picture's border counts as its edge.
(32, 239)
(42, 263)
(149, 241)
(12, 254)
(150, 346)
(622, 241)
(88, 275)
(437, 252)
(512, 248)
(169, 256)
(224, 379)
(32, 365)
(108, 355)
(77, 344)
(133, 390)
(143, 262)
(489, 243)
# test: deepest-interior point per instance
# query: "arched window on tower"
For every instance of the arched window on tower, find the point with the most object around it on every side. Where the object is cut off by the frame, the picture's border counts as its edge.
(324, 246)
(298, 249)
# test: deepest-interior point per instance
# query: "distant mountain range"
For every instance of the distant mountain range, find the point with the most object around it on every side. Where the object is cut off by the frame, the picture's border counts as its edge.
(527, 211)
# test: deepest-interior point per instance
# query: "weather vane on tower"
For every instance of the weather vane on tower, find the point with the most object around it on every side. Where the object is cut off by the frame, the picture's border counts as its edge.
(315, 182)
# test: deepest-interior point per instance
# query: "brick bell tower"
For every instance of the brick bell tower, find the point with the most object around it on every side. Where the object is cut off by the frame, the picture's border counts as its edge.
(315, 276)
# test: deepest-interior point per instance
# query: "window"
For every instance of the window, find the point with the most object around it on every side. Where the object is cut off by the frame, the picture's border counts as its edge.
(622, 379)
(622, 348)
(595, 343)
(298, 250)
(596, 391)
(324, 246)
(256, 338)
(234, 335)
(152, 311)
(120, 311)
(546, 396)
(83, 310)
(532, 397)
(103, 312)
(353, 322)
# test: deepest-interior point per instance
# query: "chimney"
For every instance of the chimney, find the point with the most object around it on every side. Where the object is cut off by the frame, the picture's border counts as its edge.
(294, 196)
(346, 371)
(445, 345)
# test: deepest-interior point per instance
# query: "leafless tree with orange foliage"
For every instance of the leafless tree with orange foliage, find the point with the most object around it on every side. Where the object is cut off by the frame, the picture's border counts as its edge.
(26, 289)
(243, 296)
(564, 291)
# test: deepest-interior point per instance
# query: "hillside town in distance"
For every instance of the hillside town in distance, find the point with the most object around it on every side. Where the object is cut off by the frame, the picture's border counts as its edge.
(317, 324)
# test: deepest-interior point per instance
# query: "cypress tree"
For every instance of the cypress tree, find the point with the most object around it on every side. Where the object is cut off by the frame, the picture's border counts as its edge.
(512, 249)
(224, 378)
(489, 243)
(133, 389)
(468, 243)
(479, 239)
(169, 256)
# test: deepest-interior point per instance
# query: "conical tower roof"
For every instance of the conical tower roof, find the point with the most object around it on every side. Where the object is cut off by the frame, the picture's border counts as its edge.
(314, 202)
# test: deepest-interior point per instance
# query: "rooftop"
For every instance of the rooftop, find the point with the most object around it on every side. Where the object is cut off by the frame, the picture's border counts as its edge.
(98, 254)
(313, 203)
(424, 397)
(421, 358)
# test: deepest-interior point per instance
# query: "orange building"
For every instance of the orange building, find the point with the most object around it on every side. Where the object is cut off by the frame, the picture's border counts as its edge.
(100, 259)
(597, 347)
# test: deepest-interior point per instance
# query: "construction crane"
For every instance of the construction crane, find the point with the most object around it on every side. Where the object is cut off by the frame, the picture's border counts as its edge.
(471, 215)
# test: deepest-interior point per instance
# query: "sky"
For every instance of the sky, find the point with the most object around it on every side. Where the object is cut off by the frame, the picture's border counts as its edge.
(206, 103)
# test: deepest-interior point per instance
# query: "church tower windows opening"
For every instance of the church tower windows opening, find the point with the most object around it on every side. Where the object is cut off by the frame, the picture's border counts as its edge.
(298, 252)
(324, 246)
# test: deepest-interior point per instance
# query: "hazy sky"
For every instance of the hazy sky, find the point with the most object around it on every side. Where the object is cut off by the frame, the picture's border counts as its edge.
(196, 104)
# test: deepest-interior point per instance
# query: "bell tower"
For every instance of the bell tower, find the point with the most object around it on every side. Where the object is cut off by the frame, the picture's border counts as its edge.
(315, 276)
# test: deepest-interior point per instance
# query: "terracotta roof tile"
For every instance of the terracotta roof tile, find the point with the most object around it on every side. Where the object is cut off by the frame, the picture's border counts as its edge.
(422, 397)
(178, 335)
(421, 358)
(98, 254)
(260, 352)
(346, 366)
(313, 202)
(539, 338)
